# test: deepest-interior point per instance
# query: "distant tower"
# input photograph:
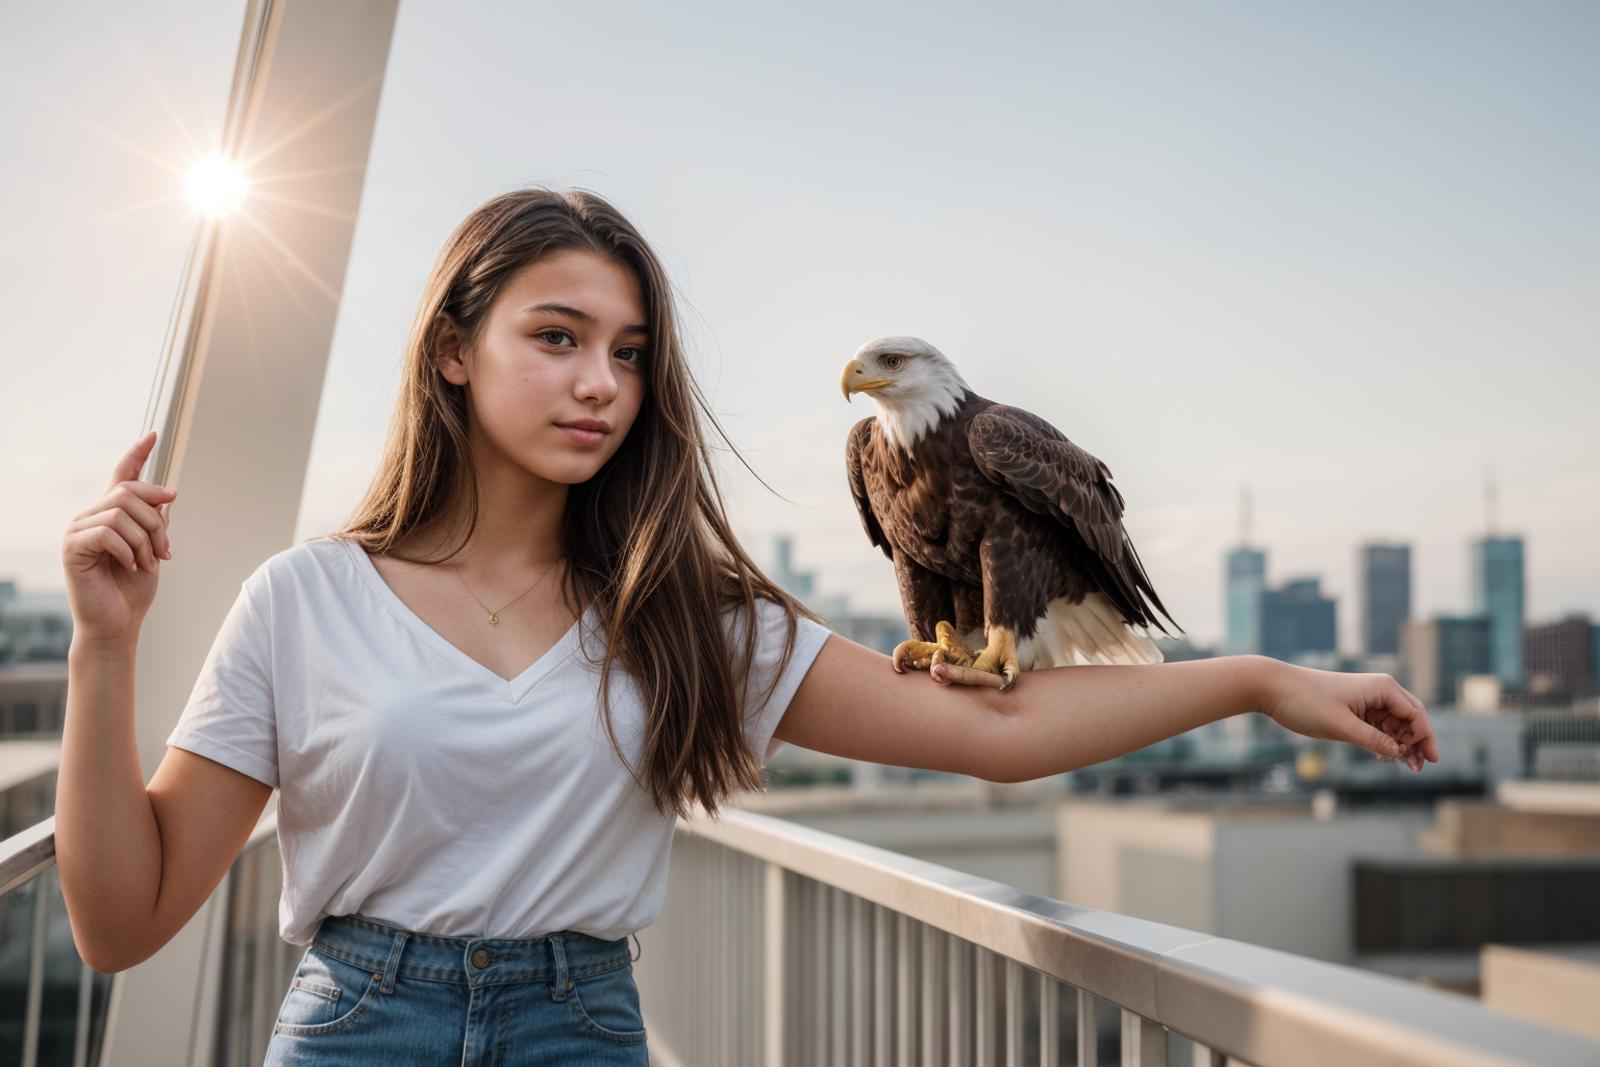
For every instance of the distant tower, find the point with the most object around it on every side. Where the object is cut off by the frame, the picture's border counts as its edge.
(1245, 571)
(1296, 618)
(1383, 576)
(1499, 592)
(1488, 499)
(1441, 651)
(800, 583)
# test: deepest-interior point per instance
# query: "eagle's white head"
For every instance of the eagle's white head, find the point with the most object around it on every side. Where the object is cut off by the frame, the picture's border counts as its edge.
(914, 385)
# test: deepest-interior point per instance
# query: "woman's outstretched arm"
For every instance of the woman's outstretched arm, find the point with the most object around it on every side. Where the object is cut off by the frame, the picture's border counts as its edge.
(852, 703)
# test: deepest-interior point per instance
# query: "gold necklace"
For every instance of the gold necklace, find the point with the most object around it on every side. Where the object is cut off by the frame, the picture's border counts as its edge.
(494, 616)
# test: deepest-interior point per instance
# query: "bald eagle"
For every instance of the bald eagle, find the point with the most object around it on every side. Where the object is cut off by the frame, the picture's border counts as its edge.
(1005, 536)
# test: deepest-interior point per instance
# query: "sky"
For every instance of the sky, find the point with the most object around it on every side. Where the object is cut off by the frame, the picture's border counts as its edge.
(1345, 255)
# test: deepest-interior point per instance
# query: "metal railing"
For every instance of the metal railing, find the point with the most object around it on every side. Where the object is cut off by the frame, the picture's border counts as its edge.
(53, 1005)
(256, 963)
(786, 946)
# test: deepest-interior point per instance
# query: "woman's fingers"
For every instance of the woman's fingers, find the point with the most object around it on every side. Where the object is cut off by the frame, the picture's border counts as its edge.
(139, 500)
(1373, 739)
(110, 542)
(132, 461)
(1407, 712)
(1392, 723)
(149, 492)
(1422, 729)
(129, 531)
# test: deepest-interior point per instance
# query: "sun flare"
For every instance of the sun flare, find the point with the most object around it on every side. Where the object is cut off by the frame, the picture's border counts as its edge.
(216, 186)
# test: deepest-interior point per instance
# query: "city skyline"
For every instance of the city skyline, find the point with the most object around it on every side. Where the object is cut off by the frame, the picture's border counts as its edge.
(1345, 277)
(785, 560)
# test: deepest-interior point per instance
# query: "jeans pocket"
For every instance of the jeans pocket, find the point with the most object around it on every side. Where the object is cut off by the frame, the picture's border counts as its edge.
(326, 995)
(607, 1005)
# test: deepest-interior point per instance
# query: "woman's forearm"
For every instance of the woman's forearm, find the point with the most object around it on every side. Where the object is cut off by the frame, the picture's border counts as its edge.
(1062, 718)
(108, 844)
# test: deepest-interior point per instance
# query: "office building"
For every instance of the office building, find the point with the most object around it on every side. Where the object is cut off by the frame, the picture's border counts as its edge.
(1440, 651)
(1297, 619)
(1383, 578)
(1498, 592)
(1246, 578)
(1559, 659)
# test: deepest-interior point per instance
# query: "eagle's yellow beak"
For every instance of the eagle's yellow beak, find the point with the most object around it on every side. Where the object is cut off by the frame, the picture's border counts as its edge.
(855, 379)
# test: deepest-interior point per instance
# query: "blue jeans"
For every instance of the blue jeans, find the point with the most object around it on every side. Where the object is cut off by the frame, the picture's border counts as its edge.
(367, 993)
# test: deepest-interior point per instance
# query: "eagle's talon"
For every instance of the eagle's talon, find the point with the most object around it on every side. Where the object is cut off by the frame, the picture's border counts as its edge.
(953, 651)
(913, 653)
(1000, 657)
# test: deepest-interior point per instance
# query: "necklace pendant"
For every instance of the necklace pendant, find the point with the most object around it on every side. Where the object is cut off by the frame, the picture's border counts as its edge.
(494, 620)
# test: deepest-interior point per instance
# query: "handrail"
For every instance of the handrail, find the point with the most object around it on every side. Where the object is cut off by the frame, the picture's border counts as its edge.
(26, 854)
(1257, 1004)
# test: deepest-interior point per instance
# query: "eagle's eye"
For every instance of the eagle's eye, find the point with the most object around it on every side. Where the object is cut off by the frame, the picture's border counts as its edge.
(892, 362)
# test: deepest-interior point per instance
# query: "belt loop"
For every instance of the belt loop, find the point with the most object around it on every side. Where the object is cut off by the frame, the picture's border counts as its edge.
(561, 984)
(392, 968)
(635, 937)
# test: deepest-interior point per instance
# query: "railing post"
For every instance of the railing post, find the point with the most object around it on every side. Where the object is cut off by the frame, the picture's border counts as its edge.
(1049, 1020)
(860, 980)
(935, 946)
(883, 1004)
(30, 1026)
(1013, 1017)
(1088, 1030)
(983, 1013)
(907, 940)
(960, 1047)
(773, 922)
(1144, 1043)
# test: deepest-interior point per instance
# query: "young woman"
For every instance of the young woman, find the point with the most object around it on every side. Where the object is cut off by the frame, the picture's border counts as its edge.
(475, 810)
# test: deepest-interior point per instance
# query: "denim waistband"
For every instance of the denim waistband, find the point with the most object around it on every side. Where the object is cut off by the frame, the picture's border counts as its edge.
(392, 951)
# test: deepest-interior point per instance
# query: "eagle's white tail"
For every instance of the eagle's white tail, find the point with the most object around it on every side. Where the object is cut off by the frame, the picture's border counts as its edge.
(1088, 632)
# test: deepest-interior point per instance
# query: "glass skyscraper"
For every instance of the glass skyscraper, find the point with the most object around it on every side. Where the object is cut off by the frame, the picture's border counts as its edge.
(1246, 571)
(1498, 593)
(1297, 618)
(1383, 574)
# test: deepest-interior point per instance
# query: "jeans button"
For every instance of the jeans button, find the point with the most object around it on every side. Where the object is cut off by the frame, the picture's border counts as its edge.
(480, 958)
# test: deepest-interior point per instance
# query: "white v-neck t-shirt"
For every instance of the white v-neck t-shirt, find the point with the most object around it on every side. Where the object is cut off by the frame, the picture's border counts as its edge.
(418, 787)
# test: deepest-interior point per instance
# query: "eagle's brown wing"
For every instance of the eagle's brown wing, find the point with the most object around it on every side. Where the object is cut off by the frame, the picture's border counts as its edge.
(854, 444)
(1050, 475)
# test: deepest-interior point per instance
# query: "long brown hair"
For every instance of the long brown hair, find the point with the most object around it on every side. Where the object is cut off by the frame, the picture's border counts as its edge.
(647, 541)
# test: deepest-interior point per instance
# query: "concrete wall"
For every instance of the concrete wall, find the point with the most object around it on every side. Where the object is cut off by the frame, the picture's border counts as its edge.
(1095, 835)
(1475, 827)
(1014, 846)
(1557, 986)
(1287, 883)
(1277, 877)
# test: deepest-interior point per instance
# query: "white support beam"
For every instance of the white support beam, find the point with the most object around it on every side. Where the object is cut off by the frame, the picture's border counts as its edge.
(244, 383)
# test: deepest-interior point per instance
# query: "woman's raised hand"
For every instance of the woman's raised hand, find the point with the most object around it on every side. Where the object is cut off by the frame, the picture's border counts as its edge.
(112, 548)
(1372, 711)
